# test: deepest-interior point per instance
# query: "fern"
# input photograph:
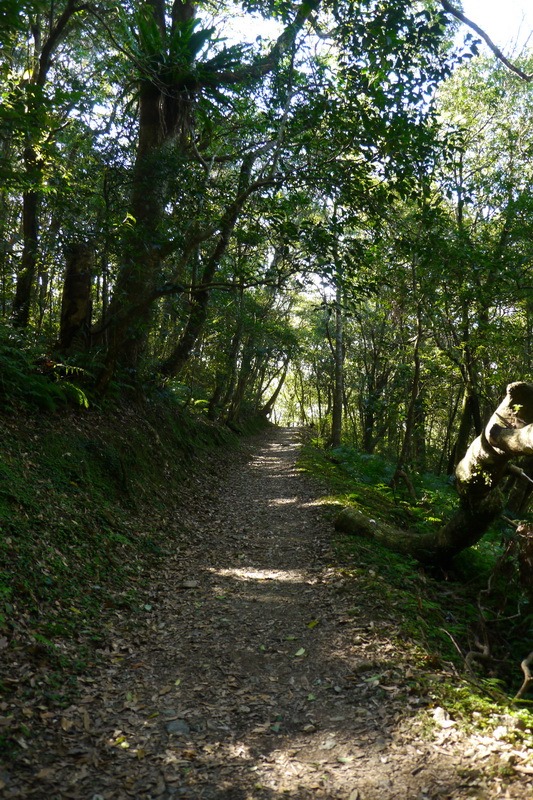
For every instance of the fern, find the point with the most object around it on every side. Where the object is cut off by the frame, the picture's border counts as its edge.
(28, 378)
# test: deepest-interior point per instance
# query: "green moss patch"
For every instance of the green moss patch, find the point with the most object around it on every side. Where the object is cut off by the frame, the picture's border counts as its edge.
(444, 619)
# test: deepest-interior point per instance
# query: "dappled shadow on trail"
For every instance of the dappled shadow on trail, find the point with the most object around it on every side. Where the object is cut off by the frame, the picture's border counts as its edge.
(255, 671)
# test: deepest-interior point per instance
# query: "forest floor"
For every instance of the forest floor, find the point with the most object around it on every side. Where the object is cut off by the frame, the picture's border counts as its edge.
(256, 669)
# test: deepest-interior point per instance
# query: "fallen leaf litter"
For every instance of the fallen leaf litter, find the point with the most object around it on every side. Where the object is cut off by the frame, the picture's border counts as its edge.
(254, 671)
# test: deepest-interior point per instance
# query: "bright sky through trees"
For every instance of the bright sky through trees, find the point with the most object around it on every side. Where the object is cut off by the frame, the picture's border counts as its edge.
(509, 24)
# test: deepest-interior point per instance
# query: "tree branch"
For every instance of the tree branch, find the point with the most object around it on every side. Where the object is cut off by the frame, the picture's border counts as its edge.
(528, 678)
(455, 12)
(512, 440)
(282, 46)
(56, 35)
(509, 431)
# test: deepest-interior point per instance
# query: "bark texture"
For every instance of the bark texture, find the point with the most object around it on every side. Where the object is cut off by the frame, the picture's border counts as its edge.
(76, 304)
(508, 433)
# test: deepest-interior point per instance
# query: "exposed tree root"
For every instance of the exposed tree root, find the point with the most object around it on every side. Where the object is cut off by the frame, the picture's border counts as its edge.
(528, 678)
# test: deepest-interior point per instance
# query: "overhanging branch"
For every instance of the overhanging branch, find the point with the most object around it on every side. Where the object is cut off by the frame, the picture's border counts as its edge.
(458, 14)
(281, 47)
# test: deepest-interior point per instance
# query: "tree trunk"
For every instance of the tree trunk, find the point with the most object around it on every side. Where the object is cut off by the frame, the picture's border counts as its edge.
(130, 310)
(76, 303)
(173, 365)
(410, 421)
(214, 401)
(30, 235)
(370, 411)
(231, 361)
(271, 402)
(420, 433)
(508, 433)
(301, 397)
(445, 454)
(44, 48)
(470, 417)
(521, 487)
(243, 381)
(338, 383)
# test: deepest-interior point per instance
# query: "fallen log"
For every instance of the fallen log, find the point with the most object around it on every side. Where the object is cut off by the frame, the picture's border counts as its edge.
(508, 433)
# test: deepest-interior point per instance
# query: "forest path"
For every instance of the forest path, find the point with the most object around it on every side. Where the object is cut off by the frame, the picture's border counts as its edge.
(254, 671)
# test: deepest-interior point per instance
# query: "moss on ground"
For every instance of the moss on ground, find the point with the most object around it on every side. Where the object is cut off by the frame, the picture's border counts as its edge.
(441, 616)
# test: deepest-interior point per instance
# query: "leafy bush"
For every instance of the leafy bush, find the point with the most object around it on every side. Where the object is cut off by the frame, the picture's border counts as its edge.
(479, 597)
(33, 380)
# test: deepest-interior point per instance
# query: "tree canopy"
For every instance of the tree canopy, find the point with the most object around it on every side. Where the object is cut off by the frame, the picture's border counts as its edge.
(317, 210)
(318, 213)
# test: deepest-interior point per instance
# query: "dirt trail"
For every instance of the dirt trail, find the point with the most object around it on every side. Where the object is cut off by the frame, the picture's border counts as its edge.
(251, 672)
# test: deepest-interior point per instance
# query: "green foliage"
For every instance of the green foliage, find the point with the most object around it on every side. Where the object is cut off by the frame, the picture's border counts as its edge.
(183, 396)
(440, 612)
(169, 53)
(437, 497)
(33, 380)
(363, 467)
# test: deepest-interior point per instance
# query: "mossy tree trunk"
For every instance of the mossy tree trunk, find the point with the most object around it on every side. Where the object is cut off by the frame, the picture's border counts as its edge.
(47, 32)
(508, 433)
(167, 102)
(76, 304)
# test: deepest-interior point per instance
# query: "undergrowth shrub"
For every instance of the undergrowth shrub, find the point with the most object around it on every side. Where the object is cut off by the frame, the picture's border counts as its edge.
(33, 380)
(476, 599)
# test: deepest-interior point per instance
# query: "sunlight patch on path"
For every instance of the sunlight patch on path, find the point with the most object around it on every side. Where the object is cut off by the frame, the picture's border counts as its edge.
(247, 574)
